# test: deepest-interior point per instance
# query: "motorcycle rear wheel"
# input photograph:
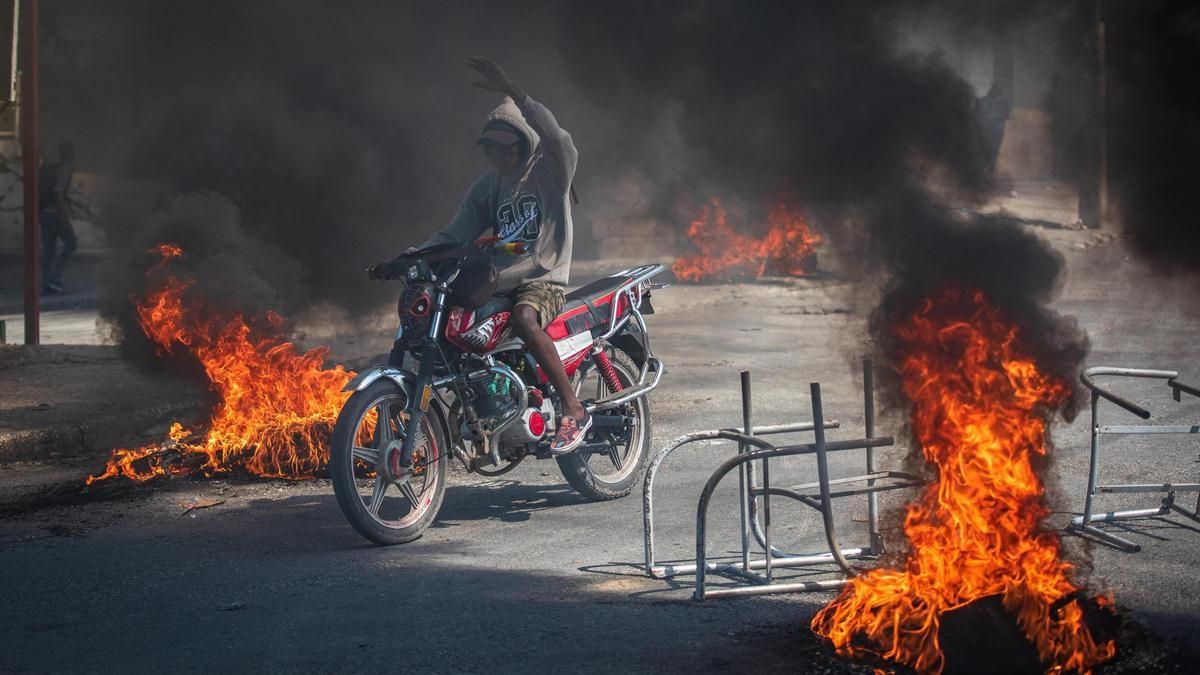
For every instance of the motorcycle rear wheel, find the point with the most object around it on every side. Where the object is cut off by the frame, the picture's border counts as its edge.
(386, 512)
(601, 476)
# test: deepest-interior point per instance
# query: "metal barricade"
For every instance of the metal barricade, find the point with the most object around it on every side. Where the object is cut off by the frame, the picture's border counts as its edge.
(1084, 522)
(753, 449)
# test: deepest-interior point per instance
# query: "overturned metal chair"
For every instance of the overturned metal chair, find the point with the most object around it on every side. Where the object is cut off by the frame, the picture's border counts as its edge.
(752, 448)
(1084, 522)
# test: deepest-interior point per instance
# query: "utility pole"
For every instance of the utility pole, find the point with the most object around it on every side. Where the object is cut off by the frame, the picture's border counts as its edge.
(29, 155)
(1093, 166)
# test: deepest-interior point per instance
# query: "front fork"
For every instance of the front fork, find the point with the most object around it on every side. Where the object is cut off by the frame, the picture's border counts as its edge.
(418, 402)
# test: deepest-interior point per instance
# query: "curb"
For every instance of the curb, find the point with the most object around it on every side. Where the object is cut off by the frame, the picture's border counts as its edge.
(55, 304)
(88, 437)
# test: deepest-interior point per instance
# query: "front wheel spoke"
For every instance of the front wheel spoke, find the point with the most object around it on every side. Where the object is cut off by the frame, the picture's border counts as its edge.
(368, 455)
(383, 425)
(381, 486)
(409, 493)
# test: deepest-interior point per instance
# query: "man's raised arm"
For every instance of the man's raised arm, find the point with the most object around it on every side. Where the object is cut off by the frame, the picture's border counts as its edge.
(556, 141)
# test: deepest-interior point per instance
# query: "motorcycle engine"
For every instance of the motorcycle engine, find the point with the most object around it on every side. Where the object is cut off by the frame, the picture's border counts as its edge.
(491, 394)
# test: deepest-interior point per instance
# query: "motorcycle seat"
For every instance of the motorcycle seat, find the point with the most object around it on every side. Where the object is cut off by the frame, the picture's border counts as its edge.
(594, 292)
(585, 308)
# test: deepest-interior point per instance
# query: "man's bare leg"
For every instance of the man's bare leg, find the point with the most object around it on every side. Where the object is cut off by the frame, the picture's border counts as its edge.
(524, 322)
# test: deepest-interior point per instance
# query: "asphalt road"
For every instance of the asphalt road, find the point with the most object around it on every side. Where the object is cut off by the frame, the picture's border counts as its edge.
(519, 573)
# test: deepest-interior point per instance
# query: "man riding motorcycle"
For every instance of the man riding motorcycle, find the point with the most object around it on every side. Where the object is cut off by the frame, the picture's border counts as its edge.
(478, 393)
(525, 200)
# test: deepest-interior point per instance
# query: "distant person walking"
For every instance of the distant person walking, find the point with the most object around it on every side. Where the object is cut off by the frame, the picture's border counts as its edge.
(54, 214)
(991, 114)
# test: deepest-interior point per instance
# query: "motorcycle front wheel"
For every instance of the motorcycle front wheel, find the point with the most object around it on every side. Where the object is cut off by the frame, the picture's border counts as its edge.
(365, 451)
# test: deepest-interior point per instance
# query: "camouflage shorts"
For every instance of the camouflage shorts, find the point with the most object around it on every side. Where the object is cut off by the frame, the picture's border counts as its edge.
(545, 298)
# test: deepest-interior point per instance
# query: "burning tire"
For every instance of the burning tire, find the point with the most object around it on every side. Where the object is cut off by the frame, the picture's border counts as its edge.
(382, 502)
(612, 458)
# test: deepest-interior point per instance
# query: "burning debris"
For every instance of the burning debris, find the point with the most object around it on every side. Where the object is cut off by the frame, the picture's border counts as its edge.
(788, 248)
(980, 408)
(276, 406)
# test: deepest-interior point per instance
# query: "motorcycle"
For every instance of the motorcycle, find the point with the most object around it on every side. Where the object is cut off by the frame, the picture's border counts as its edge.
(476, 392)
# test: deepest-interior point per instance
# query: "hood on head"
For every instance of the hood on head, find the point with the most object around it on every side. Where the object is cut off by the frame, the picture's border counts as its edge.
(509, 113)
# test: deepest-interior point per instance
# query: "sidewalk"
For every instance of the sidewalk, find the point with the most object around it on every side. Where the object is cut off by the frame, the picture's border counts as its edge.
(79, 279)
(1042, 203)
(64, 407)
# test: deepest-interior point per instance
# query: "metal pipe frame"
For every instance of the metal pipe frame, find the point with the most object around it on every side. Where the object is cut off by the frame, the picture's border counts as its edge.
(820, 448)
(752, 449)
(1083, 523)
(717, 434)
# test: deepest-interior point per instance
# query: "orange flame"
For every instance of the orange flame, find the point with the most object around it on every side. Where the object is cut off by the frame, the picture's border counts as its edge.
(276, 406)
(980, 408)
(788, 248)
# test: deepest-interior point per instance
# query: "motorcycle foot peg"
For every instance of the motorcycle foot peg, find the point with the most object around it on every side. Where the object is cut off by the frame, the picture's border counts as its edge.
(462, 455)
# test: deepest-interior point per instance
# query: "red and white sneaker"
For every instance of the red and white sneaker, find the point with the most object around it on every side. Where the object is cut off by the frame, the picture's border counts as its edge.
(570, 435)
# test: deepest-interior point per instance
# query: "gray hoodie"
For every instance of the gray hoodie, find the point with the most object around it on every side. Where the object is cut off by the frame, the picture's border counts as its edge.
(533, 206)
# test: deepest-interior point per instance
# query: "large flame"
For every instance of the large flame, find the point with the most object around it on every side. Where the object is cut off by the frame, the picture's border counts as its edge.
(788, 248)
(275, 406)
(980, 407)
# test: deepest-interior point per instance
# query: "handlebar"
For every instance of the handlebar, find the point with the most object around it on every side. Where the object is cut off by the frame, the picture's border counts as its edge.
(1134, 408)
(394, 268)
(501, 247)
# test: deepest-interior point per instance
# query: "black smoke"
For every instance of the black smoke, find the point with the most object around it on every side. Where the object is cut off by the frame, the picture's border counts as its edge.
(1153, 127)
(284, 145)
(824, 101)
(339, 135)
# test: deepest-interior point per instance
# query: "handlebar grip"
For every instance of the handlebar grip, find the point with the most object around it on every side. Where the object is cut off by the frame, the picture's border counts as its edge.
(382, 271)
(512, 248)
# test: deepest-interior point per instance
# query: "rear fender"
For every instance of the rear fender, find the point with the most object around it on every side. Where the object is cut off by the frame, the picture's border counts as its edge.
(633, 341)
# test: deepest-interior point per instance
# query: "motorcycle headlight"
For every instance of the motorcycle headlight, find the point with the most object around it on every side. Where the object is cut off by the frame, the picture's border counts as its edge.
(414, 309)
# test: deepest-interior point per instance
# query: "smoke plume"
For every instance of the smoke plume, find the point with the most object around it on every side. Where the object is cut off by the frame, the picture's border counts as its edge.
(1153, 123)
(288, 145)
(825, 102)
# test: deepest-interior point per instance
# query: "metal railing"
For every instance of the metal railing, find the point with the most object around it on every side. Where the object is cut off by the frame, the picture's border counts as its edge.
(1084, 522)
(753, 449)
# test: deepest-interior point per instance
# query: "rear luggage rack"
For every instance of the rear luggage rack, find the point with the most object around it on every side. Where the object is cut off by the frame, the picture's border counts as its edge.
(637, 276)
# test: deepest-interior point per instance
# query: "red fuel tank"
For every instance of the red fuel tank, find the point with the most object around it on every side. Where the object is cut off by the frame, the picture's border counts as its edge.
(478, 331)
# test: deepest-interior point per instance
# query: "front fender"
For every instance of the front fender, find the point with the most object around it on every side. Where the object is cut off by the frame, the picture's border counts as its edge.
(402, 377)
(405, 379)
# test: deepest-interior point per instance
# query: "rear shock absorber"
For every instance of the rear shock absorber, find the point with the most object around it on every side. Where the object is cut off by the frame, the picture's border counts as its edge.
(607, 371)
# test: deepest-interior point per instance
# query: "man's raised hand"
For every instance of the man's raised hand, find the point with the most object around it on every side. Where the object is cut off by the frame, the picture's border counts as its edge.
(495, 79)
